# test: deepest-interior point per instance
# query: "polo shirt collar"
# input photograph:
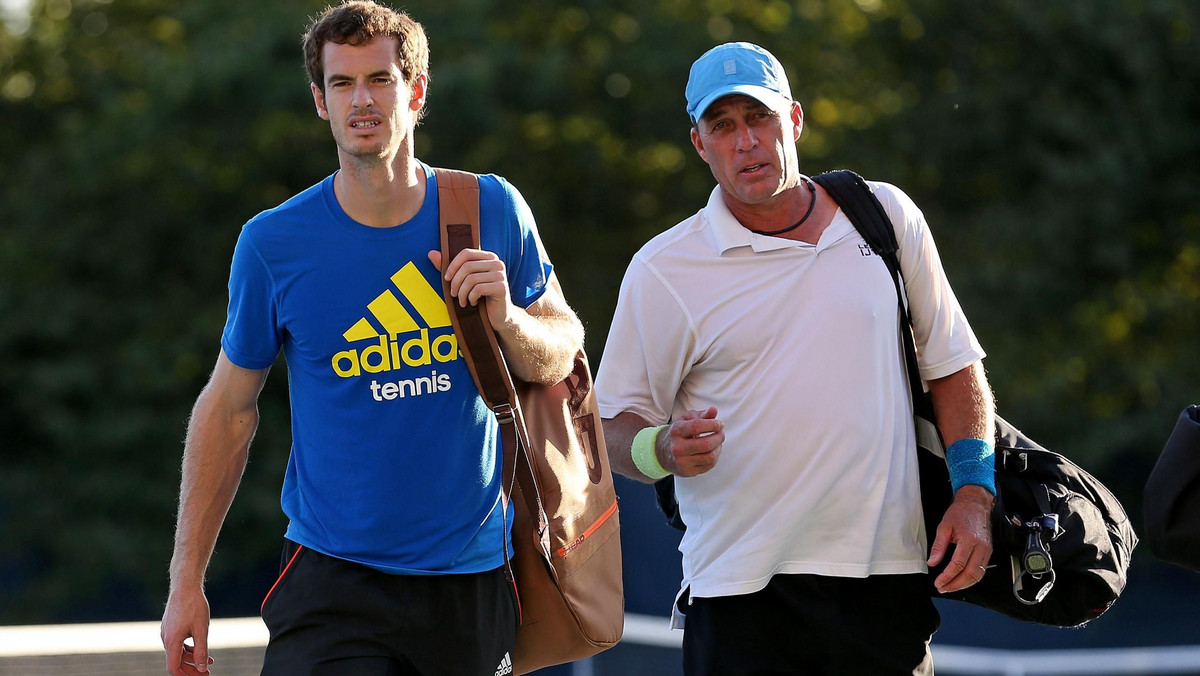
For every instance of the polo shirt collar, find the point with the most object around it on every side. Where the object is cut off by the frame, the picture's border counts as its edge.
(729, 233)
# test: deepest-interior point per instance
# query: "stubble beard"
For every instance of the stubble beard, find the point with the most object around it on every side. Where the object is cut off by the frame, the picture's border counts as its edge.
(369, 153)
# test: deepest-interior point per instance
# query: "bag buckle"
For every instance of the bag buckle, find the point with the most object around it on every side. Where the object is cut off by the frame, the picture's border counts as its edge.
(504, 414)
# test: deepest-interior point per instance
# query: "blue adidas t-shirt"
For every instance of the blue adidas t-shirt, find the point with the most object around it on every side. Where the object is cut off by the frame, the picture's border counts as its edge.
(395, 459)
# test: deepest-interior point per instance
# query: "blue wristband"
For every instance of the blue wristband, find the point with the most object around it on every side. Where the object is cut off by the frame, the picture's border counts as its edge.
(972, 461)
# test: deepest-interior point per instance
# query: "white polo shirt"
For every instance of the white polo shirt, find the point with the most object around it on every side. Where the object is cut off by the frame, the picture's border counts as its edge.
(797, 346)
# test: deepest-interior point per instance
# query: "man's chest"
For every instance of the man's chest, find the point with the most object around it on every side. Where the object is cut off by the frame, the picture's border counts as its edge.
(793, 306)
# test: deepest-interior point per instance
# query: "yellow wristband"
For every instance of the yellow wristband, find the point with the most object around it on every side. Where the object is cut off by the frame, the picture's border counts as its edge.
(644, 454)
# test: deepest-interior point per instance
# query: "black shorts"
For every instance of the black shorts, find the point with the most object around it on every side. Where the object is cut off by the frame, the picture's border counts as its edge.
(809, 624)
(330, 617)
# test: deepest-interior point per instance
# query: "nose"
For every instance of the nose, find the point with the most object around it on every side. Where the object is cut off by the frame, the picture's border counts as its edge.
(362, 96)
(746, 139)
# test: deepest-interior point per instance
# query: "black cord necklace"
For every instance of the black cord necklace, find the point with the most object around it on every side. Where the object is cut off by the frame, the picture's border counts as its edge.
(812, 193)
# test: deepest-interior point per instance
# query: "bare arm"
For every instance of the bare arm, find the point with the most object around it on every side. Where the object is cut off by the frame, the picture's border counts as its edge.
(689, 446)
(963, 404)
(218, 441)
(539, 342)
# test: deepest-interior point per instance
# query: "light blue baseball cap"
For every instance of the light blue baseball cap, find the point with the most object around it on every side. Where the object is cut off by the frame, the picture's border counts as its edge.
(736, 68)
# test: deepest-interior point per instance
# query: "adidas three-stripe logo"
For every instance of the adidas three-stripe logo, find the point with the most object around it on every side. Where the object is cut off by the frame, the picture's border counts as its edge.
(505, 667)
(390, 323)
(392, 315)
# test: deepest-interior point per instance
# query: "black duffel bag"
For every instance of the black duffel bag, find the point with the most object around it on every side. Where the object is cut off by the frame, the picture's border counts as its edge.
(1062, 542)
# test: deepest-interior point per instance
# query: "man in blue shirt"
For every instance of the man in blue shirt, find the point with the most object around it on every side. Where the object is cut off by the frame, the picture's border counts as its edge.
(394, 553)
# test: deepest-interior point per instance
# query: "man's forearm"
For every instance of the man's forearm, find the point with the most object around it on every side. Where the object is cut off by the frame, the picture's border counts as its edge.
(540, 343)
(215, 455)
(963, 404)
(541, 348)
(618, 438)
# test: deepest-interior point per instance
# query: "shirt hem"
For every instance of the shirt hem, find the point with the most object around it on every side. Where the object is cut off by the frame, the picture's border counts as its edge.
(480, 566)
(702, 589)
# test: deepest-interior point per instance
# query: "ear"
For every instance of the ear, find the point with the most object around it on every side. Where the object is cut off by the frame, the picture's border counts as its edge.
(698, 144)
(319, 101)
(797, 120)
(419, 88)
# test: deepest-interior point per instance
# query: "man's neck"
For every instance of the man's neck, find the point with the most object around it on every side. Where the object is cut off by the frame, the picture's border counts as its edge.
(779, 211)
(378, 192)
(784, 209)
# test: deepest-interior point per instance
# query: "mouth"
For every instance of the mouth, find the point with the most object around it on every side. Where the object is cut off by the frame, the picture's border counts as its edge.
(753, 168)
(364, 124)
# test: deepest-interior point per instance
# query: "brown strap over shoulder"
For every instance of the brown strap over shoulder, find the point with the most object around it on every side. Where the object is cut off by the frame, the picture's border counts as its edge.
(458, 201)
(458, 205)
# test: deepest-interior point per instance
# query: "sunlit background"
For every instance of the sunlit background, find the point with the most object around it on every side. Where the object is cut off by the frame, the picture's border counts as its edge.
(1052, 146)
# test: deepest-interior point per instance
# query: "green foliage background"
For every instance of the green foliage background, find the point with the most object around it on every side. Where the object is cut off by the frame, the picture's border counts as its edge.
(1052, 146)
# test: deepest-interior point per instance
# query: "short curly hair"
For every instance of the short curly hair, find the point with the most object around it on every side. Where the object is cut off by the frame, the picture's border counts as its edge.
(357, 22)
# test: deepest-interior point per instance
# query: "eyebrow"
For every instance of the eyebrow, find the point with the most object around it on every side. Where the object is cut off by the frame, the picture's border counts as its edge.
(338, 76)
(718, 109)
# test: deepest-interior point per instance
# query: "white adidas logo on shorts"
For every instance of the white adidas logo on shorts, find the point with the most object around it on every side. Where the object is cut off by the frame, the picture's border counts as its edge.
(505, 667)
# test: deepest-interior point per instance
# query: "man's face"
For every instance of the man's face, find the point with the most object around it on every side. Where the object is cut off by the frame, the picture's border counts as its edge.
(750, 148)
(369, 107)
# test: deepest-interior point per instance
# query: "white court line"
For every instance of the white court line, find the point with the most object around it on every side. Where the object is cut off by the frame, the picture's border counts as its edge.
(120, 637)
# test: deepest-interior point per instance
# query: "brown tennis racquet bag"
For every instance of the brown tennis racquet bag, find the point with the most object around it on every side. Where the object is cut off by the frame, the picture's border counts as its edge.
(556, 477)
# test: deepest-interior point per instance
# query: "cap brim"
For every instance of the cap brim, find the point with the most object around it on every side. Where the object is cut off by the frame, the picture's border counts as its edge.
(768, 97)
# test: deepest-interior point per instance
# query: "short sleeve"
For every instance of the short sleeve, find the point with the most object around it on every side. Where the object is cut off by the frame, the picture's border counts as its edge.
(649, 349)
(944, 340)
(518, 242)
(252, 335)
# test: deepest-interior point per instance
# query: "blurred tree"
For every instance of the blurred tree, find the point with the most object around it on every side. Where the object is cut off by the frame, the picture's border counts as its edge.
(148, 132)
(1050, 144)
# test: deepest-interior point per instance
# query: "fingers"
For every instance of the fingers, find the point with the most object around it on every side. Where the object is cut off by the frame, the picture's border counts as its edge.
(967, 565)
(940, 543)
(966, 525)
(173, 644)
(183, 658)
(186, 618)
(961, 573)
(174, 655)
(693, 442)
(198, 654)
(186, 660)
(474, 274)
(709, 413)
(195, 662)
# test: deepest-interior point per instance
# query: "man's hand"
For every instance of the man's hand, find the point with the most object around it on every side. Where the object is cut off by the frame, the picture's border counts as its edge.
(967, 524)
(692, 443)
(186, 616)
(475, 274)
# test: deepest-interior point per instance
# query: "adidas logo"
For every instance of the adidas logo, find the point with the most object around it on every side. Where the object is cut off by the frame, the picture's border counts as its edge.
(389, 318)
(505, 666)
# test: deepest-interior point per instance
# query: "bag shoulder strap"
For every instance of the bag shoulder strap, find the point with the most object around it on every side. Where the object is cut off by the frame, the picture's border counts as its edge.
(871, 221)
(459, 219)
(863, 209)
(458, 207)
